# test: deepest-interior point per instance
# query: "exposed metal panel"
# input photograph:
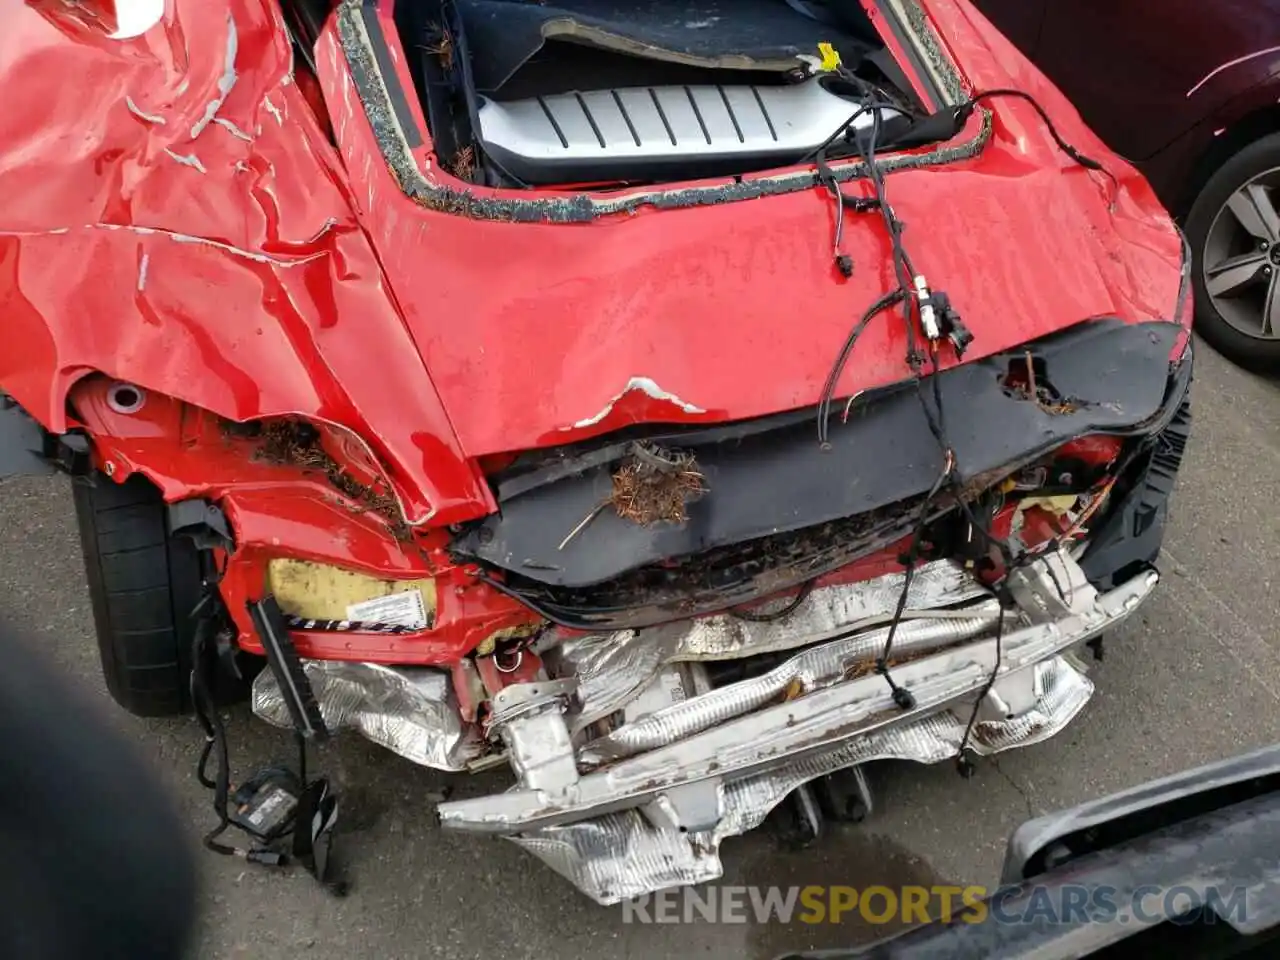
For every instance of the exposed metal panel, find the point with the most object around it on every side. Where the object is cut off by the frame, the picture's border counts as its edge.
(821, 720)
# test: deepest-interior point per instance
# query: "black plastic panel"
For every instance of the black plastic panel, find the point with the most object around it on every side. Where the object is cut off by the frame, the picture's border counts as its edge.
(1117, 376)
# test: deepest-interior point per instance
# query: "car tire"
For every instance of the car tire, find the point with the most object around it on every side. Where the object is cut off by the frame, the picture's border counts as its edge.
(143, 585)
(1251, 352)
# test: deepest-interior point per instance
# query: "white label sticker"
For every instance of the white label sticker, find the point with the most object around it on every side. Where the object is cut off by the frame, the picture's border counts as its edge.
(270, 809)
(397, 609)
(673, 686)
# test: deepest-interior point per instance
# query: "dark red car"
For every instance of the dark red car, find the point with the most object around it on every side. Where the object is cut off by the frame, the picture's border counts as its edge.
(1188, 90)
(676, 401)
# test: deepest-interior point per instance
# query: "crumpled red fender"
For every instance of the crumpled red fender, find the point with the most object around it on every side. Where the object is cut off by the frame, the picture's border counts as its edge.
(175, 217)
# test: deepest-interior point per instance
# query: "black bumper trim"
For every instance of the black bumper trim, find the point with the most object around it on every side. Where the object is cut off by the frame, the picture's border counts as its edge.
(1132, 532)
(1116, 375)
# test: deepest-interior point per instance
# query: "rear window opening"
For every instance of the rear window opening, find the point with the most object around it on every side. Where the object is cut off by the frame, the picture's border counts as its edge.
(599, 94)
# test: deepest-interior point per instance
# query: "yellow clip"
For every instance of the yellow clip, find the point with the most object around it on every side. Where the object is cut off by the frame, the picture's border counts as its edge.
(830, 57)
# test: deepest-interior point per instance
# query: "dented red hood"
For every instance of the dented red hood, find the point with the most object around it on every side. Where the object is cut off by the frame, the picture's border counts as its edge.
(178, 218)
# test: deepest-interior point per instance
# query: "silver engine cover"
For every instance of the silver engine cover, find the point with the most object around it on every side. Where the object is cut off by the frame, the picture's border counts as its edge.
(641, 131)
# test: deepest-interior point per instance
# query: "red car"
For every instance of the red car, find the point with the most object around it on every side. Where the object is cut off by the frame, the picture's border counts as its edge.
(1189, 94)
(682, 404)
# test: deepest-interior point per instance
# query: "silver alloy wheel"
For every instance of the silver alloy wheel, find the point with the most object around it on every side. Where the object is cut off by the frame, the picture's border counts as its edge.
(1241, 260)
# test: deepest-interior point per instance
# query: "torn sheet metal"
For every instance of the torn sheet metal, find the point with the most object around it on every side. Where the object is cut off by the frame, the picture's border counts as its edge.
(409, 710)
(641, 385)
(622, 855)
(186, 159)
(613, 668)
(226, 80)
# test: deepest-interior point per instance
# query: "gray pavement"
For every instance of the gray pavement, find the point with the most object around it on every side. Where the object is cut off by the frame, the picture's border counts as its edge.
(1195, 677)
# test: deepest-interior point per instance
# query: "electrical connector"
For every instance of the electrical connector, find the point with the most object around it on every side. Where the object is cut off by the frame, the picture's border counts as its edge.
(960, 337)
(928, 316)
(266, 857)
(936, 310)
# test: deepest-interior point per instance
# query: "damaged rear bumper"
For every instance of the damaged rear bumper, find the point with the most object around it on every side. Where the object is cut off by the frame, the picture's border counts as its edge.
(645, 805)
(655, 819)
(842, 500)
(637, 751)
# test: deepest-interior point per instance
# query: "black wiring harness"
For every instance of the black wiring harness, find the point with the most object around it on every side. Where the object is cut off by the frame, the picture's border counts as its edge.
(782, 612)
(288, 817)
(931, 314)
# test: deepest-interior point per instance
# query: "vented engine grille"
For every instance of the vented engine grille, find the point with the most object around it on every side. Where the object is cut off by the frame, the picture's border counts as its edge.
(641, 131)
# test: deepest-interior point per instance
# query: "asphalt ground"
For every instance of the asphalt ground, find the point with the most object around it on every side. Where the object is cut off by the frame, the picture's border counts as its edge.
(1193, 677)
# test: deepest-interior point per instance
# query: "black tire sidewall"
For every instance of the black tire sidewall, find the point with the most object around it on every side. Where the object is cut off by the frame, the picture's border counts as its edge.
(1252, 353)
(173, 563)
